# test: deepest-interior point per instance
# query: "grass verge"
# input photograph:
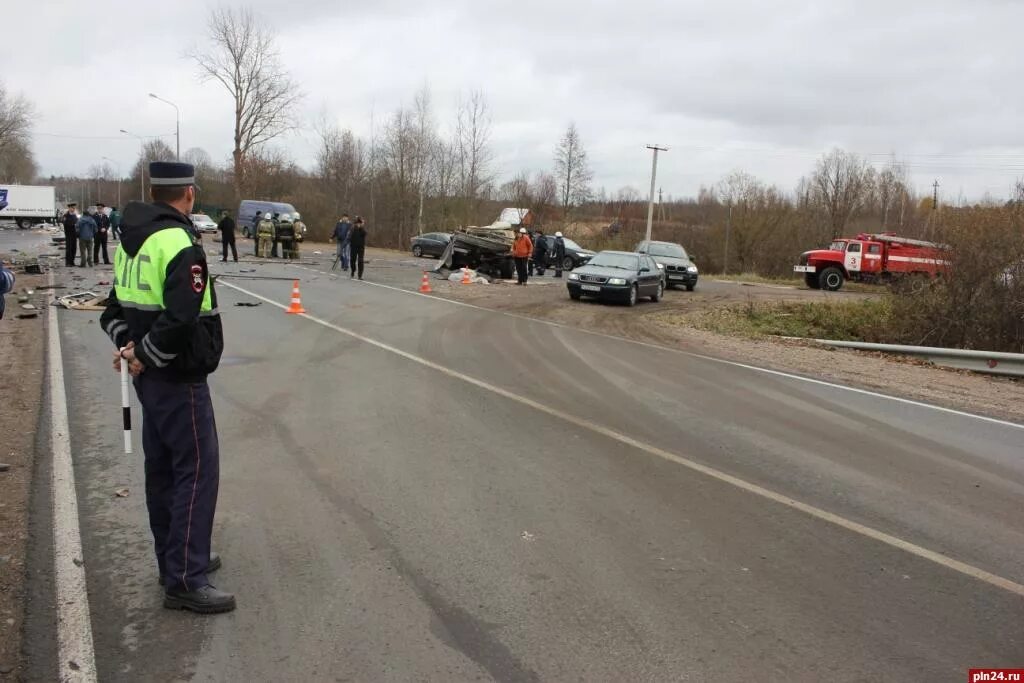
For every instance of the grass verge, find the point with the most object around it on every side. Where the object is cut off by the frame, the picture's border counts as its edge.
(865, 320)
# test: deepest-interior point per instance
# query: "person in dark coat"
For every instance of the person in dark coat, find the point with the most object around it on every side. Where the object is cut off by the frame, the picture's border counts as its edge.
(102, 232)
(540, 253)
(70, 234)
(558, 253)
(357, 247)
(227, 236)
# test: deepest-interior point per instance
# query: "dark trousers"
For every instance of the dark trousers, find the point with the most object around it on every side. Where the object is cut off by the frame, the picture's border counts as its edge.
(538, 263)
(70, 246)
(274, 252)
(100, 245)
(358, 255)
(179, 436)
(234, 252)
(522, 269)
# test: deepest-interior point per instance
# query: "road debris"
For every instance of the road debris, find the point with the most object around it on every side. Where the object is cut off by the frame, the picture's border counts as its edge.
(249, 304)
(4, 467)
(527, 536)
(83, 301)
(121, 493)
(27, 316)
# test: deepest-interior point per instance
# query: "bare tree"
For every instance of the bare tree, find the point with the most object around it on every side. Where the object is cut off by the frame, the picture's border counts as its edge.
(16, 159)
(572, 171)
(241, 56)
(472, 140)
(841, 184)
(890, 189)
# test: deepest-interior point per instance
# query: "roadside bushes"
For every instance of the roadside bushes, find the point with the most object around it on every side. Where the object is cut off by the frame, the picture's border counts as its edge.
(980, 303)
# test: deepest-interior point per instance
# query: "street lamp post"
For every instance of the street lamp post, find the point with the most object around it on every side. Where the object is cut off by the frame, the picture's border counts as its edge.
(177, 125)
(142, 164)
(118, 164)
(654, 175)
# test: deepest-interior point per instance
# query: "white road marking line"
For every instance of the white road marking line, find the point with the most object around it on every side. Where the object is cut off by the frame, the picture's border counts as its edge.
(742, 484)
(691, 354)
(74, 625)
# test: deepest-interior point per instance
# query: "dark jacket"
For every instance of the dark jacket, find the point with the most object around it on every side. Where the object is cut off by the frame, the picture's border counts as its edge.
(540, 247)
(6, 285)
(357, 237)
(342, 231)
(86, 227)
(70, 220)
(177, 343)
(559, 250)
(227, 229)
(102, 224)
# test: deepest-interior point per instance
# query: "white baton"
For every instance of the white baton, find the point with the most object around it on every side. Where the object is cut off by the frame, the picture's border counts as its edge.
(126, 411)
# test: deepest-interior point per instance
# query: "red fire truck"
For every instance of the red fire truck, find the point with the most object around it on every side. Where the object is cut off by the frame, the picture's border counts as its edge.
(871, 258)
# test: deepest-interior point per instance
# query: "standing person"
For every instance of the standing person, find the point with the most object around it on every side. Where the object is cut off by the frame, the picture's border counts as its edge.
(540, 253)
(558, 253)
(115, 223)
(357, 247)
(286, 237)
(522, 248)
(342, 231)
(6, 285)
(227, 235)
(163, 319)
(276, 220)
(266, 235)
(256, 232)
(102, 229)
(70, 222)
(86, 228)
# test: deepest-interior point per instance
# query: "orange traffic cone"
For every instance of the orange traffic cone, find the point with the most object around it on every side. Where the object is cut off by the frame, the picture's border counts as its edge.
(425, 284)
(465, 277)
(296, 306)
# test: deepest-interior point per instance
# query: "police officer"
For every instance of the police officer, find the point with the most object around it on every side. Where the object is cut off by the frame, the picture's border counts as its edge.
(266, 234)
(540, 252)
(70, 222)
(162, 317)
(558, 253)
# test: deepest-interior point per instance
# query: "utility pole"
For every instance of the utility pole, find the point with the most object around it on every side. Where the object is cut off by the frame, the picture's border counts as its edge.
(935, 196)
(654, 176)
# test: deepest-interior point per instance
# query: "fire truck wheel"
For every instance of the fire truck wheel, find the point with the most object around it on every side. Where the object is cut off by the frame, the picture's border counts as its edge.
(811, 279)
(831, 279)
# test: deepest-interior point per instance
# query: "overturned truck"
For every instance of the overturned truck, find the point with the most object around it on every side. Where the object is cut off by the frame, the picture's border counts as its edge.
(485, 249)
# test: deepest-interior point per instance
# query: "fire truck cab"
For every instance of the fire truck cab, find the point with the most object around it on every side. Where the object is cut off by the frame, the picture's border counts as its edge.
(870, 258)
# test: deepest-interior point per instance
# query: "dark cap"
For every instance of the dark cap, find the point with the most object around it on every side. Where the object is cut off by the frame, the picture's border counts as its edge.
(70, 204)
(171, 174)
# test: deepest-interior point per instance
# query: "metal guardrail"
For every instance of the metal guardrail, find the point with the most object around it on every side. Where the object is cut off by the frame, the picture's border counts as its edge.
(989, 362)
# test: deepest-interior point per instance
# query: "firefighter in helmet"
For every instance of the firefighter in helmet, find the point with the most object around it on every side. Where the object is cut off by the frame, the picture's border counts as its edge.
(286, 236)
(266, 234)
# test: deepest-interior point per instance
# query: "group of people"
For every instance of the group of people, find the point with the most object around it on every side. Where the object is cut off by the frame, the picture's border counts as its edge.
(273, 230)
(533, 254)
(351, 240)
(89, 233)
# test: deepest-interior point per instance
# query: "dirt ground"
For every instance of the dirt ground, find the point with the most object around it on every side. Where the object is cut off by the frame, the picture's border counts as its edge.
(21, 385)
(546, 298)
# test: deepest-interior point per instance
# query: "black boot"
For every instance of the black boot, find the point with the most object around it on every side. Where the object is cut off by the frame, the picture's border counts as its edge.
(204, 600)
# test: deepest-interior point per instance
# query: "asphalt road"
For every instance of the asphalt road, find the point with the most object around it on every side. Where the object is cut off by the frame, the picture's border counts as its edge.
(417, 490)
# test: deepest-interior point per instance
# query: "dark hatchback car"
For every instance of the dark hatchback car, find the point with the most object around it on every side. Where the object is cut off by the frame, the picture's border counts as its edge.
(430, 243)
(575, 255)
(679, 267)
(618, 276)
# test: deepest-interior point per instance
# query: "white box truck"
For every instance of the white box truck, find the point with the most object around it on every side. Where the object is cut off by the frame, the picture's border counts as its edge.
(27, 205)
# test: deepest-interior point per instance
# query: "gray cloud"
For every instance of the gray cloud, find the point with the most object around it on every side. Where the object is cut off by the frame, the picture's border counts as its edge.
(759, 86)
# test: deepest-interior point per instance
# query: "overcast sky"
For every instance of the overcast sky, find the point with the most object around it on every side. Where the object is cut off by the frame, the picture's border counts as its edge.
(760, 86)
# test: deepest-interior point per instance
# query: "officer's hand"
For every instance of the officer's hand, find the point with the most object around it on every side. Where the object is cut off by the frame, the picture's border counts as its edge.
(117, 356)
(135, 366)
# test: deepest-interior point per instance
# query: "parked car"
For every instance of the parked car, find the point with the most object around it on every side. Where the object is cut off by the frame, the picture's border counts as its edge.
(678, 266)
(575, 255)
(617, 275)
(430, 244)
(247, 215)
(203, 222)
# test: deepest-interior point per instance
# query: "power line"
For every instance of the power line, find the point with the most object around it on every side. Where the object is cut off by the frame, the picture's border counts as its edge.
(100, 137)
